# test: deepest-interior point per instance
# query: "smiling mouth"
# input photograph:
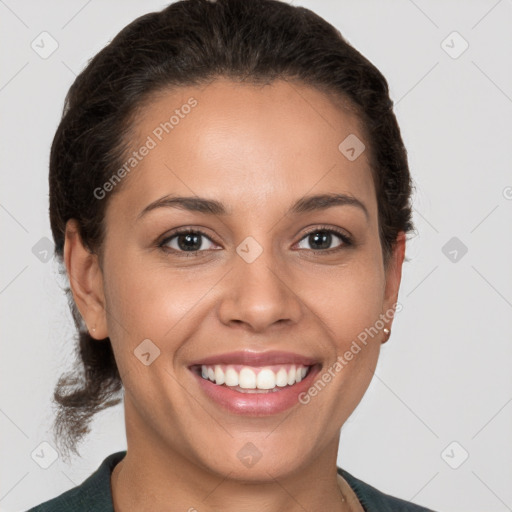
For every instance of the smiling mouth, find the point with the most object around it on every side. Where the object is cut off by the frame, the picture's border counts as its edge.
(253, 379)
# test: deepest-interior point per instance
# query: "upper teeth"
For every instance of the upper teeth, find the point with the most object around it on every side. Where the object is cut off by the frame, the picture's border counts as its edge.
(248, 377)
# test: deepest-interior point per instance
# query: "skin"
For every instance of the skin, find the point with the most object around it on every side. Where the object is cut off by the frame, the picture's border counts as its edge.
(257, 149)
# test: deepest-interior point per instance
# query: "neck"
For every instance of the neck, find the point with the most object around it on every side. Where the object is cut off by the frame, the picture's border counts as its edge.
(145, 482)
(155, 475)
(136, 490)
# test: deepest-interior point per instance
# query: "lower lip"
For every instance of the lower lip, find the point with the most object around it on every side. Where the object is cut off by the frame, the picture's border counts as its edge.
(257, 404)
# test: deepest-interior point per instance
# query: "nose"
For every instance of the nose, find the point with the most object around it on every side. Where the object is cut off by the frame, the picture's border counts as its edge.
(258, 294)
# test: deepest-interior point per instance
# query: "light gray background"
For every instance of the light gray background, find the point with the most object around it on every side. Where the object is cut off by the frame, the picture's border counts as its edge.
(445, 374)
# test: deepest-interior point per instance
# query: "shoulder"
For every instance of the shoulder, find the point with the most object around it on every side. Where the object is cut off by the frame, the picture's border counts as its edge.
(94, 493)
(374, 500)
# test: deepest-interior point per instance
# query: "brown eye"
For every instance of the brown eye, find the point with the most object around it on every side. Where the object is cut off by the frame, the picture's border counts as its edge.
(186, 241)
(321, 239)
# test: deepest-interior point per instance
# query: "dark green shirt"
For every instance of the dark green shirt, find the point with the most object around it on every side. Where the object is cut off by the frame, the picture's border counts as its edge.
(94, 494)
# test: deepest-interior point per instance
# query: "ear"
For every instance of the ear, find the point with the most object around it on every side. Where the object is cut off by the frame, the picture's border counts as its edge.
(394, 275)
(86, 281)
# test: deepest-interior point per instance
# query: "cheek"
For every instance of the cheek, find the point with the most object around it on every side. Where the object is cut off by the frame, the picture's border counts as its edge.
(145, 303)
(151, 300)
(351, 299)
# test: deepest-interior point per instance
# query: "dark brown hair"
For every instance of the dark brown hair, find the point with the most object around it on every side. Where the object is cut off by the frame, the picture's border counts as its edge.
(193, 42)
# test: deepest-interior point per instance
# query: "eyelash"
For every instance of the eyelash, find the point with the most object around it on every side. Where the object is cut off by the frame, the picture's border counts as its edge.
(347, 241)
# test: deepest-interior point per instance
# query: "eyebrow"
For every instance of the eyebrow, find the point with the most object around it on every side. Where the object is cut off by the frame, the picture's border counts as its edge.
(212, 207)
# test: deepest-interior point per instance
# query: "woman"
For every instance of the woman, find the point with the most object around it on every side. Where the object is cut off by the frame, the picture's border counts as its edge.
(230, 195)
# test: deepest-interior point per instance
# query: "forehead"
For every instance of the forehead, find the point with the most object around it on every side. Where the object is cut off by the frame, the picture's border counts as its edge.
(256, 147)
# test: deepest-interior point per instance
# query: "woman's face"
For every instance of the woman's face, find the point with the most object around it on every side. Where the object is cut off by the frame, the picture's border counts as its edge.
(254, 283)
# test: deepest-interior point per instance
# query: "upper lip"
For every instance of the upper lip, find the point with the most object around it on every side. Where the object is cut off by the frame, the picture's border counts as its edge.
(249, 358)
